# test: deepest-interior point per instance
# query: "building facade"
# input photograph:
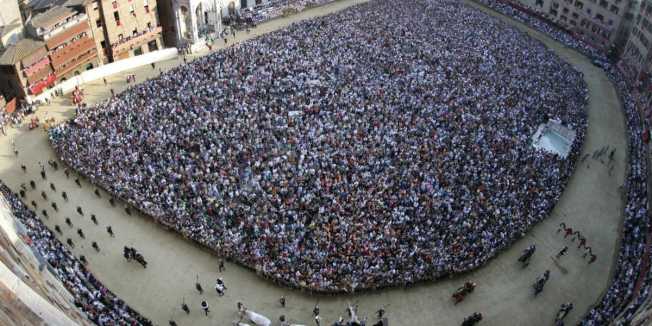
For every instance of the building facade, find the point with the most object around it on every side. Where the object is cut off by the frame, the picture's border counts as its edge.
(196, 21)
(25, 69)
(124, 28)
(637, 57)
(10, 13)
(600, 23)
(11, 23)
(636, 60)
(68, 40)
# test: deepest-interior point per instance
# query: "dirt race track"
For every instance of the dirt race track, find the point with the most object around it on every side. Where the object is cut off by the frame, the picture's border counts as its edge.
(591, 203)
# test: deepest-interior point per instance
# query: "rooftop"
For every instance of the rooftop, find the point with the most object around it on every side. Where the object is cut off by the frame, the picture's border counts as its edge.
(40, 5)
(20, 50)
(51, 17)
(75, 3)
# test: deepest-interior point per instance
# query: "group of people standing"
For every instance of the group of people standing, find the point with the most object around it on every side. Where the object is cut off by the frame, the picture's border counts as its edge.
(381, 145)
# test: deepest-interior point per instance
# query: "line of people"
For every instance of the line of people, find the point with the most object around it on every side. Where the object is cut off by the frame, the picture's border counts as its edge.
(581, 241)
(97, 302)
(23, 193)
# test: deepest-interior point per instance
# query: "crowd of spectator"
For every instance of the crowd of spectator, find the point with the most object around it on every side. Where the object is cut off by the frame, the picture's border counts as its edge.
(98, 303)
(620, 296)
(277, 8)
(377, 146)
(636, 225)
(12, 119)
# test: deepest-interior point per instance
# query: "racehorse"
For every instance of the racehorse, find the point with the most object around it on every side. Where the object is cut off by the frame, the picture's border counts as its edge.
(541, 281)
(527, 254)
(563, 311)
(462, 291)
(475, 318)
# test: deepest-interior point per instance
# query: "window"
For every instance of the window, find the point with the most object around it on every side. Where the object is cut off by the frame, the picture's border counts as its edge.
(149, 26)
(120, 37)
(138, 50)
(135, 32)
(116, 16)
(599, 17)
(98, 23)
(103, 44)
(152, 46)
(132, 9)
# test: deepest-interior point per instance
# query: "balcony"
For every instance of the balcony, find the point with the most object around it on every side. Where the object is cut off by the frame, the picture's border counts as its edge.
(66, 35)
(130, 42)
(34, 57)
(62, 56)
(72, 22)
(38, 86)
(42, 73)
(75, 63)
(36, 67)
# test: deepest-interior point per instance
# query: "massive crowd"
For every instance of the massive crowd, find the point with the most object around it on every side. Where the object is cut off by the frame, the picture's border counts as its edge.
(377, 146)
(277, 8)
(98, 303)
(621, 296)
